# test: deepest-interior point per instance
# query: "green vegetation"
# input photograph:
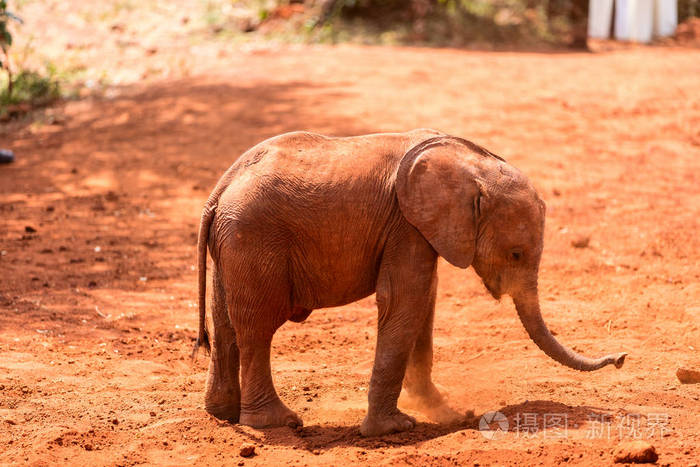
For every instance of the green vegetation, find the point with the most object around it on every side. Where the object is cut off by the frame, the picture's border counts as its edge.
(489, 23)
(455, 22)
(6, 39)
(27, 89)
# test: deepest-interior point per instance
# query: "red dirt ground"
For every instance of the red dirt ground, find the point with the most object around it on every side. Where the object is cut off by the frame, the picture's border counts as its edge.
(97, 307)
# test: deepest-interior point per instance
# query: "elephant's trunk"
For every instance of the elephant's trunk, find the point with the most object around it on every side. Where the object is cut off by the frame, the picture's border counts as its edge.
(529, 312)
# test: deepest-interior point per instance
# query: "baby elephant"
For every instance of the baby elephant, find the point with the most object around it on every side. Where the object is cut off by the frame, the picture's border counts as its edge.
(303, 221)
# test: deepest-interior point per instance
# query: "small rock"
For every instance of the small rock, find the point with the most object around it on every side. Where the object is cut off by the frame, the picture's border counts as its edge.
(687, 376)
(29, 229)
(6, 156)
(115, 422)
(636, 452)
(581, 241)
(152, 414)
(88, 447)
(247, 450)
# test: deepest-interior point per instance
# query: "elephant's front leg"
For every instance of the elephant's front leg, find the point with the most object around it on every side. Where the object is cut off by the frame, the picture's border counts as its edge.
(403, 298)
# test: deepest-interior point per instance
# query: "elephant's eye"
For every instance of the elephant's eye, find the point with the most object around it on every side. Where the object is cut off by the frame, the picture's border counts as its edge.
(516, 254)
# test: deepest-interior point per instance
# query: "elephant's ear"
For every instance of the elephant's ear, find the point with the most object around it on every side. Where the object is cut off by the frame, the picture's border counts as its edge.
(439, 196)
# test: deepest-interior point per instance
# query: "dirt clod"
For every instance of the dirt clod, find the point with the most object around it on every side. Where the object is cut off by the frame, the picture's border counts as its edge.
(687, 376)
(247, 450)
(636, 452)
(581, 241)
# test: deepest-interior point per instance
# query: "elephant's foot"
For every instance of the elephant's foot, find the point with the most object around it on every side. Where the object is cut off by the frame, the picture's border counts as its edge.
(222, 397)
(270, 415)
(228, 412)
(377, 425)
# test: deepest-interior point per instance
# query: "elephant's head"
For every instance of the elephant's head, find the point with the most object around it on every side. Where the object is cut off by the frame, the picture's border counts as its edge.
(477, 210)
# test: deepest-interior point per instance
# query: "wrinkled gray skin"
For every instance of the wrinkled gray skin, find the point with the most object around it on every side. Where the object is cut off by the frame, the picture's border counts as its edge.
(303, 221)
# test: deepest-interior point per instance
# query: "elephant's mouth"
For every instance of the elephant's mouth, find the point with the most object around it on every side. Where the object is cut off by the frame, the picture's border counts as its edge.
(494, 289)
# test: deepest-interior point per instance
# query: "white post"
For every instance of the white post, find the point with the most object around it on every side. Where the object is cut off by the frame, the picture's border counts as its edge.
(622, 19)
(634, 20)
(599, 18)
(666, 17)
(643, 21)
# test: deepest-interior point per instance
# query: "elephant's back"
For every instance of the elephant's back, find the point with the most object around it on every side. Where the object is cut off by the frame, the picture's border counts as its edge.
(319, 159)
(316, 159)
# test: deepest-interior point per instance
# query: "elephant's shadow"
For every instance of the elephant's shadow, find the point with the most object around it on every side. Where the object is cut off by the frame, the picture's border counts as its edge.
(530, 418)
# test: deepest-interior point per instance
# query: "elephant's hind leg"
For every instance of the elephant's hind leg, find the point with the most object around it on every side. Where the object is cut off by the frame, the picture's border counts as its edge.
(258, 295)
(260, 405)
(417, 381)
(223, 394)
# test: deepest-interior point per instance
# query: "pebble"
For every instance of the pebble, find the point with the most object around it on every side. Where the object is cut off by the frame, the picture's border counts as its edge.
(247, 450)
(636, 452)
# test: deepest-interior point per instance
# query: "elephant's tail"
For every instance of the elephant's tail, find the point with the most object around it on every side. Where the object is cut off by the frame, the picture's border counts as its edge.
(202, 241)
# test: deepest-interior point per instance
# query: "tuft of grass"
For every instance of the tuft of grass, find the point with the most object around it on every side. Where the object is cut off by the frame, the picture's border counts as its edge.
(30, 89)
